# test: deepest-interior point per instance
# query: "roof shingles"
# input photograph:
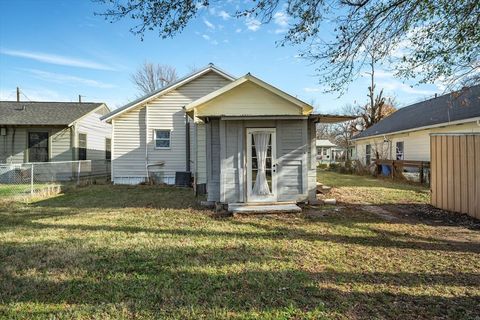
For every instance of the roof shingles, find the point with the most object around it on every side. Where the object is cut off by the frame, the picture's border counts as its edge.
(456, 106)
(43, 113)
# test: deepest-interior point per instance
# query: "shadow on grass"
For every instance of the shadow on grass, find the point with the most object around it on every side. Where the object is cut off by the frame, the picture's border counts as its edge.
(165, 280)
(381, 238)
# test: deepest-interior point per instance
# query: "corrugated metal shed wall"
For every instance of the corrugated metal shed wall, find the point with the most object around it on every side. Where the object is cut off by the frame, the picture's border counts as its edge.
(455, 172)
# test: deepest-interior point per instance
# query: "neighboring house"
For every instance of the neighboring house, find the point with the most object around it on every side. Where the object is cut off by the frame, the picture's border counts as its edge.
(405, 134)
(53, 131)
(328, 152)
(244, 140)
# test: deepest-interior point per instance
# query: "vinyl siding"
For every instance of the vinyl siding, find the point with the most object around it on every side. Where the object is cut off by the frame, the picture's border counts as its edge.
(248, 99)
(292, 160)
(416, 143)
(201, 153)
(296, 171)
(213, 160)
(165, 112)
(97, 131)
(13, 145)
(128, 156)
(60, 144)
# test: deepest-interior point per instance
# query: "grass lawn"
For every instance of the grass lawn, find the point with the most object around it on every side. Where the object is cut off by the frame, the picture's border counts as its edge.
(117, 252)
(10, 190)
(367, 189)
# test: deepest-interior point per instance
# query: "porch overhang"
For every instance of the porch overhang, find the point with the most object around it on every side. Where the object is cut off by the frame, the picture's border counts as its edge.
(331, 118)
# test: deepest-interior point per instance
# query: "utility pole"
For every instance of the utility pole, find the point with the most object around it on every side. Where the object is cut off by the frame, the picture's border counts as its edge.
(79, 98)
(18, 94)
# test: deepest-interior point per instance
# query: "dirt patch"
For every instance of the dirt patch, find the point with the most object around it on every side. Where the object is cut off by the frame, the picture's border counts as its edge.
(431, 215)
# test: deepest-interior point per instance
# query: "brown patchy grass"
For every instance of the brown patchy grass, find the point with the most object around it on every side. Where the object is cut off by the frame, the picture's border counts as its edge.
(113, 252)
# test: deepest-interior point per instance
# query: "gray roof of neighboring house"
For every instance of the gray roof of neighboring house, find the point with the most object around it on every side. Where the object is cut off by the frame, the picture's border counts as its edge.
(456, 106)
(43, 113)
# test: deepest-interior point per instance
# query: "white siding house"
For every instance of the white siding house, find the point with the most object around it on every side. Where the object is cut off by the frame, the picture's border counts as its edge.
(139, 156)
(50, 131)
(405, 135)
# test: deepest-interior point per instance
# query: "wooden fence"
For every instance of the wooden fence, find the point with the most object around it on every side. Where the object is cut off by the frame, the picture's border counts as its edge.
(397, 166)
(455, 172)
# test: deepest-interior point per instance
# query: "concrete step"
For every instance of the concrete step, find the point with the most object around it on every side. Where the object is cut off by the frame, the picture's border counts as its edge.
(263, 208)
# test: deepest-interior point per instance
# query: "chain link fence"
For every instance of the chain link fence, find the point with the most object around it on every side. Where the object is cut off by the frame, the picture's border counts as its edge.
(37, 178)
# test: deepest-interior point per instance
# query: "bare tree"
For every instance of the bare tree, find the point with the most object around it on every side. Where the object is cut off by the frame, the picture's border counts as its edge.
(378, 106)
(150, 77)
(427, 40)
(342, 133)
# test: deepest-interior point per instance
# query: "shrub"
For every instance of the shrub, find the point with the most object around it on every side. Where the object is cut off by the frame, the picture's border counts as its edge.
(322, 166)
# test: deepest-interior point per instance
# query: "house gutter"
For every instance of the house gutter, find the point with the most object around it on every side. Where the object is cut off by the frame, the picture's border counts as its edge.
(443, 124)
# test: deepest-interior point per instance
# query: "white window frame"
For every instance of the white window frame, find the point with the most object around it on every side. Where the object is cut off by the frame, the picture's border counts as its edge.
(403, 150)
(368, 155)
(163, 139)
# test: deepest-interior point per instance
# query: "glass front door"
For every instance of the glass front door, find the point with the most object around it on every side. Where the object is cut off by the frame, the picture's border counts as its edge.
(261, 165)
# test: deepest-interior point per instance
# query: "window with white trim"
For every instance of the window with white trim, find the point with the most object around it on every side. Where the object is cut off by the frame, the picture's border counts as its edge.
(399, 150)
(162, 139)
(368, 154)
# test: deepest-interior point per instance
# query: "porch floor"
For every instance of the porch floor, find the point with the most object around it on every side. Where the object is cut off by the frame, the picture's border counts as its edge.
(263, 208)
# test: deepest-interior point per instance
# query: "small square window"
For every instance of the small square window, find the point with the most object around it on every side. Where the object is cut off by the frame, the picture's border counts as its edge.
(162, 139)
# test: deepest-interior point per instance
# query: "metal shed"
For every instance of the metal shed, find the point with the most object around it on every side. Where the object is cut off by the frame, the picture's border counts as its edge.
(455, 172)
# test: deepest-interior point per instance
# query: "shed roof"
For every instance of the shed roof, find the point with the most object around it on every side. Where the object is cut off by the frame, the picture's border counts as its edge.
(456, 107)
(43, 113)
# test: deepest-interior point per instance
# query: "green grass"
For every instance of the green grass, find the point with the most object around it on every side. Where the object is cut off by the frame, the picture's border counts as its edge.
(11, 190)
(367, 189)
(116, 252)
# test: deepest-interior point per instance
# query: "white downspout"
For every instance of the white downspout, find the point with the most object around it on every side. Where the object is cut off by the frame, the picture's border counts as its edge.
(146, 143)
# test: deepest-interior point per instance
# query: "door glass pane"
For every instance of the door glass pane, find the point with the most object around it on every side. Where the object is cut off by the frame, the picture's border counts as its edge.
(268, 163)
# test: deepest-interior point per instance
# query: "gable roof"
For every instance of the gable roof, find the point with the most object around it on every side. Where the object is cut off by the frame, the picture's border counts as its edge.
(166, 89)
(456, 107)
(44, 113)
(306, 108)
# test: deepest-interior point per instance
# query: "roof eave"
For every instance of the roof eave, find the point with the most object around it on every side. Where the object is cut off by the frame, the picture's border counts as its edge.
(162, 91)
(442, 124)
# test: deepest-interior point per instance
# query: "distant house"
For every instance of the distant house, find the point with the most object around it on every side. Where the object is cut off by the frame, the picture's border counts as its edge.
(328, 152)
(53, 131)
(405, 134)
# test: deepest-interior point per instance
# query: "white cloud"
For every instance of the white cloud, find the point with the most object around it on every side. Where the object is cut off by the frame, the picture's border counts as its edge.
(312, 89)
(252, 24)
(395, 85)
(224, 15)
(209, 39)
(65, 78)
(56, 59)
(238, 30)
(281, 19)
(209, 24)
